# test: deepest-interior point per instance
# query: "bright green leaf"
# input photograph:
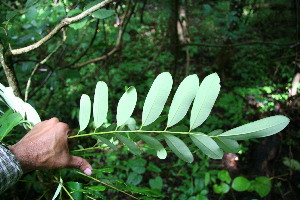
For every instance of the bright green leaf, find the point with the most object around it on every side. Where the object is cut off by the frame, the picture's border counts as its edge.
(207, 145)
(179, 147)
(182, 100)
(8, 121)
(84, 111)
(155, 144)
(75, 190)
(240, 184)
(100, 106)
(133, 148)
(262, 186)
(126, 105)
(221, 189)
(223, 175)
(205, 100)
(260, 128)
(156, 98)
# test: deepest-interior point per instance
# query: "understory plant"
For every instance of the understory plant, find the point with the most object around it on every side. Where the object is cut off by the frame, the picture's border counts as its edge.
(179, 139)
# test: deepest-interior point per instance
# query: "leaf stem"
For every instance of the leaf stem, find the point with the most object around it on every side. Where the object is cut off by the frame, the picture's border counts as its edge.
(138, 131)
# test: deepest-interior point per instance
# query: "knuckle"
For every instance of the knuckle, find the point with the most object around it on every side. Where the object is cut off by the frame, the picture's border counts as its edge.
(62, 126)
(54, 120)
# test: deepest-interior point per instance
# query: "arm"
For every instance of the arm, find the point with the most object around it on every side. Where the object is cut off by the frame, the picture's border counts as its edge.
(10, 169)
(46, 146)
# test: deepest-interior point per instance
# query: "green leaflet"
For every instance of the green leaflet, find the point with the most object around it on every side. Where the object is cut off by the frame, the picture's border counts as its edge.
(107, 142)
(179, 147)
(126, 105)
(207, 145)
(182, 100)
(100, 106)
(130, 144)
(260, 128)
(84, 111)
(155, 144)
(156, 98)
(228, 145)
(205, 100)
(131, 123)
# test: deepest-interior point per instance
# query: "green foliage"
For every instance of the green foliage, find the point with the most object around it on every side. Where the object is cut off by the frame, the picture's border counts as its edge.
(8, 121)
(255, 82)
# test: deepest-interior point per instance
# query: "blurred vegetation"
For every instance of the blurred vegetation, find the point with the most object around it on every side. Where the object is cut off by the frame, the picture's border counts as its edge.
(252, 44)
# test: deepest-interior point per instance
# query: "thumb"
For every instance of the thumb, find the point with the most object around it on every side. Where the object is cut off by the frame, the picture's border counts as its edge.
(81, 164)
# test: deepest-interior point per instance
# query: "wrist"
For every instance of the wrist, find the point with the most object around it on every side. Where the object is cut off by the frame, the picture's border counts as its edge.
(19, 157)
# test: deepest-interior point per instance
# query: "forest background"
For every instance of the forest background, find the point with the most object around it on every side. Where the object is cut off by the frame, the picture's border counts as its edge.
(252, 44)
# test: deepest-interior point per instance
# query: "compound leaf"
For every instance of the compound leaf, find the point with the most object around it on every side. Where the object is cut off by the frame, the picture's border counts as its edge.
(182, 100)
(126, 105)
(179, 147)
(205, 100)
(156, 98)
(260, 128)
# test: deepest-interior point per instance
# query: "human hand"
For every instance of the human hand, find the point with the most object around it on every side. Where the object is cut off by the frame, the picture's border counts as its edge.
(46, 147)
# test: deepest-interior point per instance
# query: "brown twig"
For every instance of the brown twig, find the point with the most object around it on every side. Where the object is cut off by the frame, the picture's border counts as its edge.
(10, 74)
(65, 22)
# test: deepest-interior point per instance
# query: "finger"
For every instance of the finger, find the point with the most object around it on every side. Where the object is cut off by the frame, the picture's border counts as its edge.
(81, 164)
(53, 120)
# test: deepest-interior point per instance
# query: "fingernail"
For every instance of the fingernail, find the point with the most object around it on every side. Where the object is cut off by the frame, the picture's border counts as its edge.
(88, 171)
